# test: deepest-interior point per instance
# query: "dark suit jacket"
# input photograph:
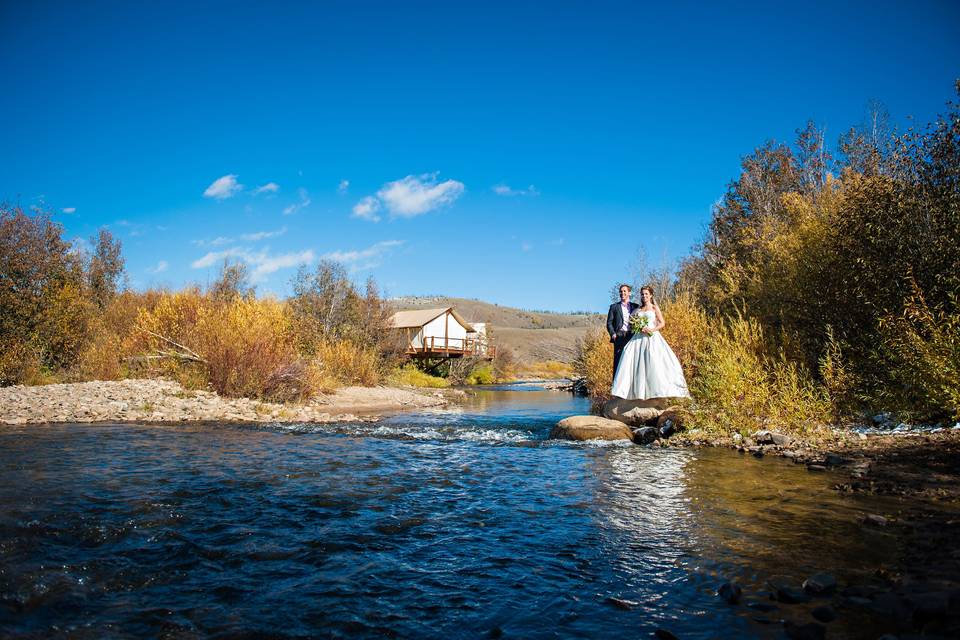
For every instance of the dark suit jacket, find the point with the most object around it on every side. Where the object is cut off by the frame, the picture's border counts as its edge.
(615, 318)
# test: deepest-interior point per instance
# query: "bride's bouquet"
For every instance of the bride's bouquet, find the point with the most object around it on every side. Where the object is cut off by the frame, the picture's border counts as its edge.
(638, 321)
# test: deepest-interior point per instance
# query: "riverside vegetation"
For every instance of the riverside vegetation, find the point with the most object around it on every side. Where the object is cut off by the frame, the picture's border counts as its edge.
(825, 289)
(66, 317)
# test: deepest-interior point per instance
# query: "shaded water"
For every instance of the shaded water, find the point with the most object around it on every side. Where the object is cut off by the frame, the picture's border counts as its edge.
(456, 523)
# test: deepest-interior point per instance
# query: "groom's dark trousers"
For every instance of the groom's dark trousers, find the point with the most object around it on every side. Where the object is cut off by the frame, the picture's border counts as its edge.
(618, 337)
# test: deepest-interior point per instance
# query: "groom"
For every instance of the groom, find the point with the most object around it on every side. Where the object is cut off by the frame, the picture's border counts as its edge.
(618, 323)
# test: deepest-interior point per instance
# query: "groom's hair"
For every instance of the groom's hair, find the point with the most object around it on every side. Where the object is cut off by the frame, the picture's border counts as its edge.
(624, 285)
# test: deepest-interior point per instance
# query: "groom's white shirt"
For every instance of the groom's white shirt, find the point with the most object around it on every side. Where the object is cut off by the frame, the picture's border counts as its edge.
(625, 312)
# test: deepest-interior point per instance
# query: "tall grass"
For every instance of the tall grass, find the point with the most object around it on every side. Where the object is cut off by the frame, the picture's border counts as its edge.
(410, 376)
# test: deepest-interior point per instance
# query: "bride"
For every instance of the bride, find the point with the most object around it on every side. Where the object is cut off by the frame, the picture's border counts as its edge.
(648, 367)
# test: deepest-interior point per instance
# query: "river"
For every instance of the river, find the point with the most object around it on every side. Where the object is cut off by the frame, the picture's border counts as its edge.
(461, 522)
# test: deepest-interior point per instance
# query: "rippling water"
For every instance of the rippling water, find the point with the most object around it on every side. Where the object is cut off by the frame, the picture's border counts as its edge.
(455, 523)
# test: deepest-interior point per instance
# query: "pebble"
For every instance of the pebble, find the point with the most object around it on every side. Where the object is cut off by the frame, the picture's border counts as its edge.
(874, 520)
(730, 592)
(820, 584)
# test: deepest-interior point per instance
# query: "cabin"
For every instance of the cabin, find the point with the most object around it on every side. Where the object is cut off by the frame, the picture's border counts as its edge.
(441, 333)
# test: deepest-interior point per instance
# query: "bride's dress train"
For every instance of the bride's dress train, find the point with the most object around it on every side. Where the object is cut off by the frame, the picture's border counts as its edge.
(649, 369)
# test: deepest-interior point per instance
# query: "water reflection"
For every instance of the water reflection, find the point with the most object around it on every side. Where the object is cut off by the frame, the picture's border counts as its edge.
(463, 522)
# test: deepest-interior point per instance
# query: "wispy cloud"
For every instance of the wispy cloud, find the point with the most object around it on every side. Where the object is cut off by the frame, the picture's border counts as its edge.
(262, 262)
(304, 202)
(263, 235)
(69, 209)
(506, 190)
(525, 246)
(364, 258)
(160, 268)
(367, 209)
(416, 195)
(220, 241)
(343, 186)
(223, 188)
(270, 187)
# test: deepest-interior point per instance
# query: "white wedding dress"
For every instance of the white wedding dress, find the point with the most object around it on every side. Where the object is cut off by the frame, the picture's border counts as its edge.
(648, 368)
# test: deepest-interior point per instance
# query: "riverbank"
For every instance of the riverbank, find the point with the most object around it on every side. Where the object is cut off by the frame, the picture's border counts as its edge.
(163, 401)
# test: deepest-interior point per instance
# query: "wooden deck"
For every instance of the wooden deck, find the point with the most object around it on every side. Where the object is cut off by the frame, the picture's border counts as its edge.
(438, 347)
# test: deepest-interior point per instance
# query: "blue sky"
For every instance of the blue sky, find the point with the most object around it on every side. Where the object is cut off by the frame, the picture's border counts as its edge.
(521, 153)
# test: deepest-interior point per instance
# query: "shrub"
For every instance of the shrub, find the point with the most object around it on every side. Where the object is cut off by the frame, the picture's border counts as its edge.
(921, 348)
(482, 374)
(594, 362)
(739, 387)
(409, 375)
(344, 362)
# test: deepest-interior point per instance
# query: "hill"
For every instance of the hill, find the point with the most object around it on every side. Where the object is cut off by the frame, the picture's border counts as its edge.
(533, 336)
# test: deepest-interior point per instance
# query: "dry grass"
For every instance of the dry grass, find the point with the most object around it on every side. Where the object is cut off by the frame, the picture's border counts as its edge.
(594, 362)
(410, 376)
(343, 362)
(548, 370)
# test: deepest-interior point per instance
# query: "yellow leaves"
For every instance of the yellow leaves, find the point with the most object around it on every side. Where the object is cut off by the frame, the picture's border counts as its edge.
(594, 362)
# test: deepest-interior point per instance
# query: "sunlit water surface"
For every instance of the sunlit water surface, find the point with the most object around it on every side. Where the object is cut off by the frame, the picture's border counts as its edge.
(464, 522)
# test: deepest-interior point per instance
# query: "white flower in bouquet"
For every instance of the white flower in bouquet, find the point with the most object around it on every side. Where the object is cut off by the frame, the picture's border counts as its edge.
(638, 322)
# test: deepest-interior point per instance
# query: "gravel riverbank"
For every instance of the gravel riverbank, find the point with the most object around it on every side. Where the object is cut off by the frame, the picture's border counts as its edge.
(164, 401)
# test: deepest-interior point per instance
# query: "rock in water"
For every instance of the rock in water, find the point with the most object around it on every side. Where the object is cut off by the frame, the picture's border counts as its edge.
(820, 584)
(645, 435)
(730, 592)
(785, 592)
(672, 420)
(633, 412)
(770, 437)
(590, 428)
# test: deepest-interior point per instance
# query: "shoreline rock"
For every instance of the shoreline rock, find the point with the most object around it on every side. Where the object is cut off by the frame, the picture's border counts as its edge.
(164, 401)
(590, 428)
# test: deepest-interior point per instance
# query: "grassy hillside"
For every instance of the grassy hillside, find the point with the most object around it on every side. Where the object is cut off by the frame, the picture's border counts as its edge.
(533, 336)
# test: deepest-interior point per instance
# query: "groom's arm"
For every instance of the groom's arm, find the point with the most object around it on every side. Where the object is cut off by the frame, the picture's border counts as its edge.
(611, 325)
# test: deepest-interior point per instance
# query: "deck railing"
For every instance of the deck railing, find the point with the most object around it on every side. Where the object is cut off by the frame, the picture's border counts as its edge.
(438, 345)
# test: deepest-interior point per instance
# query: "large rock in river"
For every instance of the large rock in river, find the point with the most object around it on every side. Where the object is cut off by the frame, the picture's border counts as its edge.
(591, 428)
(635, 413)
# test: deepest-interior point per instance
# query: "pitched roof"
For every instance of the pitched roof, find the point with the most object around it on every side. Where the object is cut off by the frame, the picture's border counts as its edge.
(418, 317)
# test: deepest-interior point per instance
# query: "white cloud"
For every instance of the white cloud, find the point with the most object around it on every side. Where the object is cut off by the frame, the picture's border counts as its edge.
(262, 235)
(270, 187)
(368, 256)
(213, 257)
(304, 202)
(223, 188)
(343, 186)
(220, 241)
(526, 246)
(367, 209)
(506, 190)
(416, 195)
(69, 209)
(262, 262)
(268, 264)
(160, 268)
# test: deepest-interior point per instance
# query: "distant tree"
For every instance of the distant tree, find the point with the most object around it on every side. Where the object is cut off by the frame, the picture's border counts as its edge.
(233, 282)
(813, 159)
(105, 268)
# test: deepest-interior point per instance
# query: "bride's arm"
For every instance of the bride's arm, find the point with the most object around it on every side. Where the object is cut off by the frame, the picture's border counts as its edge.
(660, 324)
